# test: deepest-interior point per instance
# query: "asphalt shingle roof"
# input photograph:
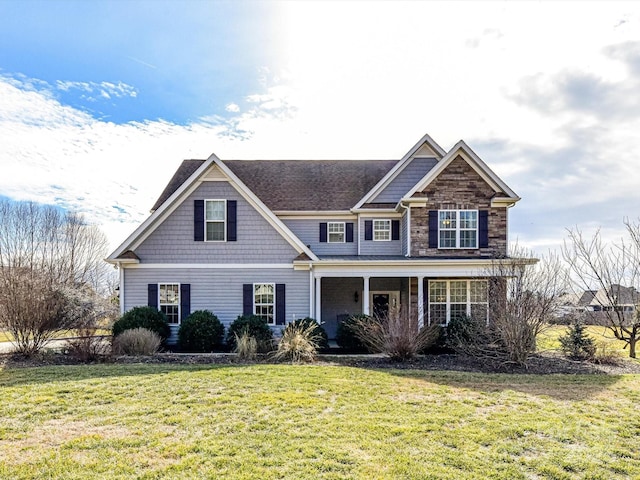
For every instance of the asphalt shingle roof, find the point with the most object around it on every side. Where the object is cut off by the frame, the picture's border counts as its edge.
(301, 185)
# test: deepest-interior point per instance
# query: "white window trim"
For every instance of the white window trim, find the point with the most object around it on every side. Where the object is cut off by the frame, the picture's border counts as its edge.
(344, 231)
(224, 222)
(274, 300)
(373, 227)
(448, 301)
(160, 305)
(458, 230)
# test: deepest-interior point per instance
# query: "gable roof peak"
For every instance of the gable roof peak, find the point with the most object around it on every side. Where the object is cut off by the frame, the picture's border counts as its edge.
(425, 141)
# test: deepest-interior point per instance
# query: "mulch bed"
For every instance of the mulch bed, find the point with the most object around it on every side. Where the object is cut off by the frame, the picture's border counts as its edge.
(542, 363)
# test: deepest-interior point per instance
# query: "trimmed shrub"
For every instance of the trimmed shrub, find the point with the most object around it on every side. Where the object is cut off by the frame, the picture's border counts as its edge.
(200, 332)
(577, 344)
(143, 317)
(299, 342)
(136, 341)
(318, 330)
(346, 334)
(246, 346)
(253, 326)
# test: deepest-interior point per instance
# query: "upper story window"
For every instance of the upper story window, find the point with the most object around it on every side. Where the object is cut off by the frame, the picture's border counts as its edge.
(169, 301)
(458, 229)
(335, 231)
(264, 301)
(215, 220)
(381, 230)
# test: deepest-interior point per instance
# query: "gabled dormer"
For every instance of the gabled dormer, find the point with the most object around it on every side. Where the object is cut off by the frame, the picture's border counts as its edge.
(459, 208)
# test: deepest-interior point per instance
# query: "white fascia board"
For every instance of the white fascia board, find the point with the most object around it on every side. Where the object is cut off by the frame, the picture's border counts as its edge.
(504, 201)
(122, 261)
(378, 212)
(314, 215)
(402, 163)
(275, 222)
(168, 206)
(411, 268)
(462, 149)
(214, 266)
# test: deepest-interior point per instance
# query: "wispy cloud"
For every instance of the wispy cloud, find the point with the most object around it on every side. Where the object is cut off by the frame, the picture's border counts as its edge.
(94, 90)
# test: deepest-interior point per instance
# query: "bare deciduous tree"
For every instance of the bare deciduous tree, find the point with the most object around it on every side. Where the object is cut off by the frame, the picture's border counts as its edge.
(51, 272)
(523, 296)
(613, 269)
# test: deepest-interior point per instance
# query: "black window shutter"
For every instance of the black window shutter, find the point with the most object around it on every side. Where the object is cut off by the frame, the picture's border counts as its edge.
(323, 232)
(349, 232)
(198, 220)
(368, 229)
(185, 300)
(232, 222)
(433, 229)
(152, 291)
(483, 228)
(280, 304)
(395, 229)
(247, 299)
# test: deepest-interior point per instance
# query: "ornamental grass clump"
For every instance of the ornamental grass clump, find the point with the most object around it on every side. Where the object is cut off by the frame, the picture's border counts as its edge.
(246, 346)
(143, 317)
(137, 341)
(299, 343)
(397, 335)
(254, 326)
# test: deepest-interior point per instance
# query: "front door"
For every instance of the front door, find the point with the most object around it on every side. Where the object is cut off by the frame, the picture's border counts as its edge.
(382, 302)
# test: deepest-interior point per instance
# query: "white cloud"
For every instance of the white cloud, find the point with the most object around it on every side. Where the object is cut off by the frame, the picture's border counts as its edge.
(232, 107)
(514, 81)
(105, 90)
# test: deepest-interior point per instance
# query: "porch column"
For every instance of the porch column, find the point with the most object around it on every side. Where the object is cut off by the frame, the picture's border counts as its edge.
(366, 309)
(318, 298)
(420, 302)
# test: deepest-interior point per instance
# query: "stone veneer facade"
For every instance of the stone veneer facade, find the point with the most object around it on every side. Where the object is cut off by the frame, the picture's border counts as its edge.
(458, 187)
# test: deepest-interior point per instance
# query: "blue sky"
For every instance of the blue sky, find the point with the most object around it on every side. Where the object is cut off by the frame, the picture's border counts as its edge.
(100, 101)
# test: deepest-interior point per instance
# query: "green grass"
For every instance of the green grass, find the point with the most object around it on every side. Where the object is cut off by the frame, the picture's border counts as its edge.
(548, 339)
(308, 422)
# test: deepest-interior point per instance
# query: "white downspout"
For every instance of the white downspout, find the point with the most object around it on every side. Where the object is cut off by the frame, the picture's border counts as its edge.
(121, 292)
(311, 299)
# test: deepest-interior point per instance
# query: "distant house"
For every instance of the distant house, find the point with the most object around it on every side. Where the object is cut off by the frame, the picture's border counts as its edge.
(321, 238)
(615, 298)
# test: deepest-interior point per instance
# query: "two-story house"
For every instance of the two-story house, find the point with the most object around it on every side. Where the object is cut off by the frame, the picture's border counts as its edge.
(321, 238)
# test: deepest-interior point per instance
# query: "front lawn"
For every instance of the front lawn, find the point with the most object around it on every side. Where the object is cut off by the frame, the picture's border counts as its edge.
(299, 422)
(549, 338)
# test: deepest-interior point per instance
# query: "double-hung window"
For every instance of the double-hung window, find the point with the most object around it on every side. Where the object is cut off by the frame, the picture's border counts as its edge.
(264, 301)
(458, 229)
(449, 299)
(169, 301)
(381, 230)
(215, 220)
(335, 232)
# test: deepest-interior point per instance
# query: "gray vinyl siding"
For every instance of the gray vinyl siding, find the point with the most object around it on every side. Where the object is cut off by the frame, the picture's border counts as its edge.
(308, 231)
(257, 241)
(219, 290)
(405, 180)
(371, 247)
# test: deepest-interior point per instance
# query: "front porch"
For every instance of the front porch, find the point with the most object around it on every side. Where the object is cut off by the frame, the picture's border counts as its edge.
(431, 290)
